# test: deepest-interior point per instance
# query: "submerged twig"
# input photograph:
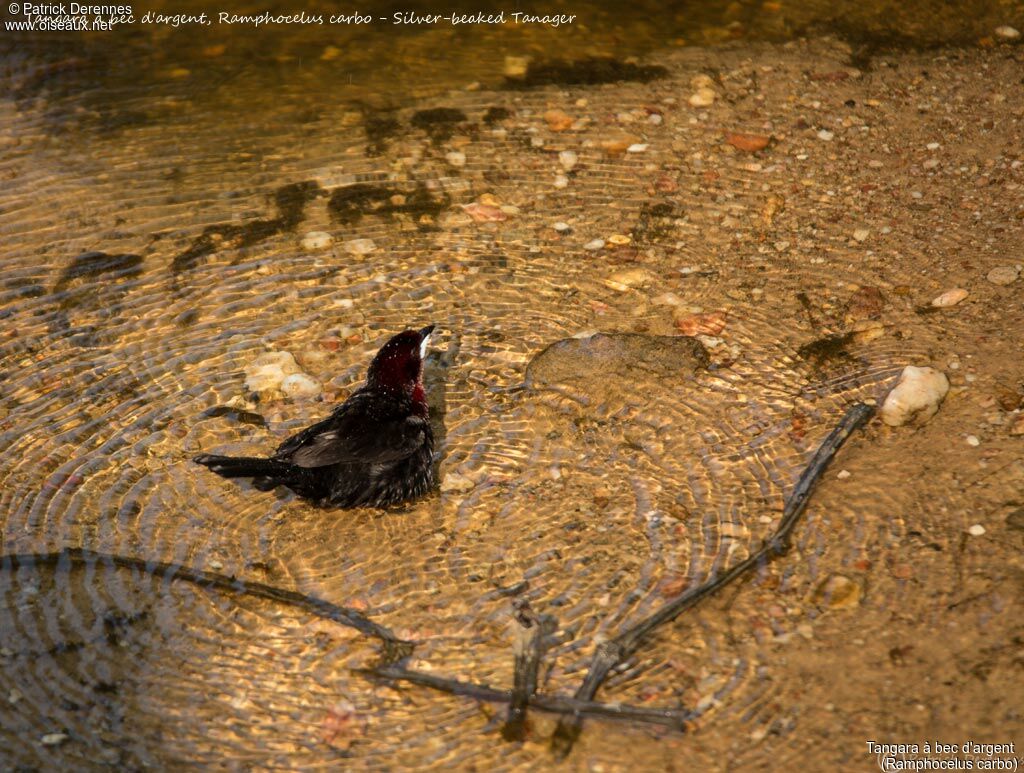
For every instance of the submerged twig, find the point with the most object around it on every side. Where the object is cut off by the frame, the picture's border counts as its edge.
(394, 648)
(530, 643)
(612, 652)
(556, 704)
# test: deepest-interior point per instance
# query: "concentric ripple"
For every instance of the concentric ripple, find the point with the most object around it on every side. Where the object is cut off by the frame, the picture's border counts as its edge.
(143, 277)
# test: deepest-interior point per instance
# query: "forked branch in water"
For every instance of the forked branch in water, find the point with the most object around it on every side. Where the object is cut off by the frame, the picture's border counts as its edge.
(614, 651)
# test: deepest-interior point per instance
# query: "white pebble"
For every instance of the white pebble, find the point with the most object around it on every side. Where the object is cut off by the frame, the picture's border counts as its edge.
(916, 396)
(568, 159)
(949, 298)
(317, 240)
(861, 234)
(844, 474)
(268, 370)
(972, 440)
(456, 482)
(54, 739)
(360, 246)
(702, 98)
(637, 147)
(1006, 32)
(562, 227)
(976, 530)
(933, 146)
(655, 118)
(561, 181)
(596, 244)
(826, 135)
(299, 386)
(456, 158)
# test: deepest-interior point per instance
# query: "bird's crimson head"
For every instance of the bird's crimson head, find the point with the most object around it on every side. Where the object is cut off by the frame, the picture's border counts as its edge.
(398, 366)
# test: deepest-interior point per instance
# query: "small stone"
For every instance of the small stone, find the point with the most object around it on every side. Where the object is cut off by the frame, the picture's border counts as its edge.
(456, 482)
(54, 739)
(637, 147)
(702, 81)
(861, 234)
(360, 246)
(710, 323)
(484, 213)
(558, 121)
(837, 592)
(950, 298)
(703, 97)
(14, 696)
(866, 303)
(562, 227)
(1006, 32)
(1017, 428)
(455, 158)
(655, 119)
(631, 277)
(317, 240)
(1003, 275)
(619, 240)
(843, 474)
(516, 66)
(616, 146)
(931, 163)
(267, 371)
(594, 244)
(216, 565)
(561, 181)
(568, 159)
(826, 135)
(916, 396)
(976, 530)
(749, 143)
(300, 386)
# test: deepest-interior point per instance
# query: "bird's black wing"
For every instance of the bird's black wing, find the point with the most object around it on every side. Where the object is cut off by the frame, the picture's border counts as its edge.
(366, 428)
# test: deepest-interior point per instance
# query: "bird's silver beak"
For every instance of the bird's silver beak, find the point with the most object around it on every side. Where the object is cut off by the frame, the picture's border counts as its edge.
(425, 340)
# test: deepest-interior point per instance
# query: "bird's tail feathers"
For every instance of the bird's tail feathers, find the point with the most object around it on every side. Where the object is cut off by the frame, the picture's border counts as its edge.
(243, 466)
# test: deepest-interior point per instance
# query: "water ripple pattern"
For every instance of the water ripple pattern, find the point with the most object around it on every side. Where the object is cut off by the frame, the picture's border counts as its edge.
(147, 271)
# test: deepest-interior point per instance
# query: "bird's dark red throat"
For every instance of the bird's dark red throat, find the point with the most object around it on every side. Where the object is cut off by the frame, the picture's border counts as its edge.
(398, 367)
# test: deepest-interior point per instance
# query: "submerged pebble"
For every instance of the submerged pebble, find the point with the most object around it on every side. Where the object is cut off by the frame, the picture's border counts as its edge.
(1003, 275)
(317, 240)
(360, 246)
(299, 385)
(837, 592)
(267, 371)
(916, 396)
(456, 482)
(950, 298)
(703, 97)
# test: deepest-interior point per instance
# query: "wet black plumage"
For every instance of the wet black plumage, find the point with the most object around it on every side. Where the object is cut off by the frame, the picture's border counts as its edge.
(374, 450)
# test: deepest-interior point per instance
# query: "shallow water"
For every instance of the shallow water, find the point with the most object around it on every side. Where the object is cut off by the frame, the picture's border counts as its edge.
(153, 248)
